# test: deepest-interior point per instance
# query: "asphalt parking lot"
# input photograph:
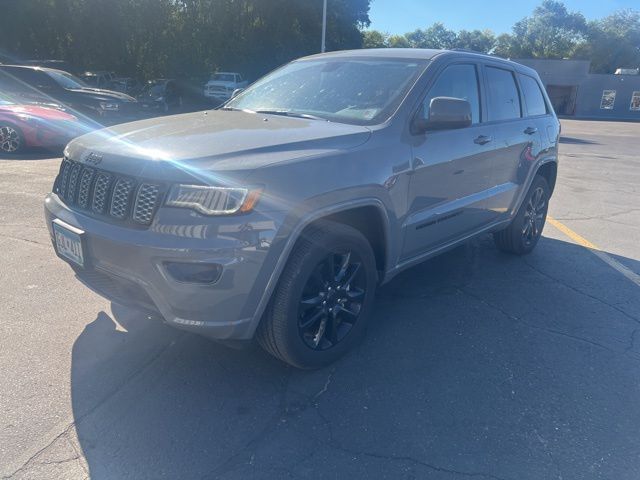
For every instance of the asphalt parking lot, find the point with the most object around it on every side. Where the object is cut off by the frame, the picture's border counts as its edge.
(476, 364)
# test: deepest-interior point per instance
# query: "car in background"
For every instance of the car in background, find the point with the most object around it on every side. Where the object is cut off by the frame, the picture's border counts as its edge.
(100, 79)
(222, 85)
(26, 84)
(128, 85)
(55, 64)
(161, 95)
(36, 125)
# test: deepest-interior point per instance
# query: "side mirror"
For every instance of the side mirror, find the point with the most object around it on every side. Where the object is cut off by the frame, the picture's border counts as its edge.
(236, 92)
(445, 113)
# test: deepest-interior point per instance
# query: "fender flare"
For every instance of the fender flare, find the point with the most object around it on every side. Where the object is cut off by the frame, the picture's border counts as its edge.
(296, 232)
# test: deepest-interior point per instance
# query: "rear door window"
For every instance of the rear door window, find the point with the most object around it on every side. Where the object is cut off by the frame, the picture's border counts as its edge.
(504, 100)
(532, 96)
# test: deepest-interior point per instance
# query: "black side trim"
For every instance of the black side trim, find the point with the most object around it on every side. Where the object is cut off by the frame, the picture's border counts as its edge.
(438, 220)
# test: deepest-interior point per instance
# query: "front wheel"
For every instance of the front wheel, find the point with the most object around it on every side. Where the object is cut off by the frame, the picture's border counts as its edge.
(321, 304)
(522, 235)
(11, 139)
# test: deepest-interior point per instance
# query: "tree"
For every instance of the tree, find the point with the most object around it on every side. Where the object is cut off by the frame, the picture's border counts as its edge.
(613, 42)
(476, 40)
(374, 39)
(398, 41)
(150, 38)
(435, 36)
(550, 32)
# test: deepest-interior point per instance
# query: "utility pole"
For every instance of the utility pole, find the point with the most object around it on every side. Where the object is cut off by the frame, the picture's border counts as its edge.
(324, 27)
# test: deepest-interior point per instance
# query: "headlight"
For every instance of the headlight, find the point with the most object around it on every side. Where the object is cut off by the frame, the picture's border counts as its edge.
(213, 200)
(109, 106)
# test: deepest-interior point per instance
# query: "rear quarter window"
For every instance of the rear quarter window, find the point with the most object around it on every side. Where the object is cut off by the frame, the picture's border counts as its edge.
(532, 96)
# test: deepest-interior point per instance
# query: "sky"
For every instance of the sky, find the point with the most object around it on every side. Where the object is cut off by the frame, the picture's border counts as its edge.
(401, 16)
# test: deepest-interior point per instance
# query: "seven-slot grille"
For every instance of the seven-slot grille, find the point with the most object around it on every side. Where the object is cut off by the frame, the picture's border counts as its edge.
(120, 197)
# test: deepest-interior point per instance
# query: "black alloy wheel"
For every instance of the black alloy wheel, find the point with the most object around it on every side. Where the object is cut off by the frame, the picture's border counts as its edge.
(535, 215)
(331, 300)
(320, 307)
(525, 230)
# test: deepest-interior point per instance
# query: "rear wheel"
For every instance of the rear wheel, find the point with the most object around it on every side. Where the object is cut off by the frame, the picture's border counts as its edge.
(522, 235)
(11, 139)
(324, 297)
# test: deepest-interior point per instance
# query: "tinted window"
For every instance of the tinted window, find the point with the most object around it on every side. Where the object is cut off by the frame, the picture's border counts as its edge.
(532, 96)
(504, 102)
(27, 78)
(458, 81)
(65, 80)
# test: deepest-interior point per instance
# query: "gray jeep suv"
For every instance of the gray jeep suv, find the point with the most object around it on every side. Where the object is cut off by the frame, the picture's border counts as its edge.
(276, 216)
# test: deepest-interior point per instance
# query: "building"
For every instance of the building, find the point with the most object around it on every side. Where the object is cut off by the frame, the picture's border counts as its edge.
(574, 92)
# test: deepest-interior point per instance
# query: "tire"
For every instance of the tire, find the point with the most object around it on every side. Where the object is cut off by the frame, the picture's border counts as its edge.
(331, 263)
(11, 139)
(522, 235)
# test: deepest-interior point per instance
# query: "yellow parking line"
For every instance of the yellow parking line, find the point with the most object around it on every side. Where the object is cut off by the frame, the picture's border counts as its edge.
(605, 257)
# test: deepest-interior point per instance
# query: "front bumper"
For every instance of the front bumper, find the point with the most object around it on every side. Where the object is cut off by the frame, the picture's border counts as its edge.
(127, 265)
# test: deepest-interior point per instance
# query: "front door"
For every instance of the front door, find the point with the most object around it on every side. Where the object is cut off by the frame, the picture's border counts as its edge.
(451, 171)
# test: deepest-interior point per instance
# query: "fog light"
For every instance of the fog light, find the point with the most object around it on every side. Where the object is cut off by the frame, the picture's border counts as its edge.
(202, 273)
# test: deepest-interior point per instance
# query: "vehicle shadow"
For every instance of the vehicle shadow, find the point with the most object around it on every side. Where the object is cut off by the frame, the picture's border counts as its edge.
(577, 141)
(476, 364)
(33, 154)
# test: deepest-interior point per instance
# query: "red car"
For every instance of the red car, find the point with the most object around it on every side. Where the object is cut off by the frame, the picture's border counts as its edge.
(43, 126)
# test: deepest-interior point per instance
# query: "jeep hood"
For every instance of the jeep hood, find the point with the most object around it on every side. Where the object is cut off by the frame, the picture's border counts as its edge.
(214, 141)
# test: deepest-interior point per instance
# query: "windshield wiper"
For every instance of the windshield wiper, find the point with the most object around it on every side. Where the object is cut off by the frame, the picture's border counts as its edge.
(289, 113)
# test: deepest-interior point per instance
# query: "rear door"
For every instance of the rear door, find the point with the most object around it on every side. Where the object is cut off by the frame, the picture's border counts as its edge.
(451, 170)
(517, 138)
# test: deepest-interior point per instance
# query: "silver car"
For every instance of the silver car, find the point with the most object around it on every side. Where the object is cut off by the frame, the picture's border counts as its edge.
(276, 216)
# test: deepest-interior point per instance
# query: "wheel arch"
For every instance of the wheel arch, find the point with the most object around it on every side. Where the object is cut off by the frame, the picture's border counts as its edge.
(549, 170)
(340, 213)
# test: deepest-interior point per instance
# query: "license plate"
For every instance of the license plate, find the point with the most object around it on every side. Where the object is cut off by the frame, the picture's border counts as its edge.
(68, 244)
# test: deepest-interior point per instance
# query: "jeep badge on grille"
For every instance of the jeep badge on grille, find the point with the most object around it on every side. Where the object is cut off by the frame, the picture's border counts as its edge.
(93, 158)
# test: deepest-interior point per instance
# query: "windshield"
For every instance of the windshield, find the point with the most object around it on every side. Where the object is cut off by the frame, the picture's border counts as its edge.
(223, 77)
(358, 91)
(66, 80)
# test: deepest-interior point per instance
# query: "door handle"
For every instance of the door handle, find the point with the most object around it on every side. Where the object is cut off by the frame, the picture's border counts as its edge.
(530, 130)
(482, 139)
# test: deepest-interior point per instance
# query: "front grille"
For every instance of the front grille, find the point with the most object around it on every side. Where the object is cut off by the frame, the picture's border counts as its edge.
(121, 198)
(145, 203)
(85, 187)
(118, 197)
(100, 191)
